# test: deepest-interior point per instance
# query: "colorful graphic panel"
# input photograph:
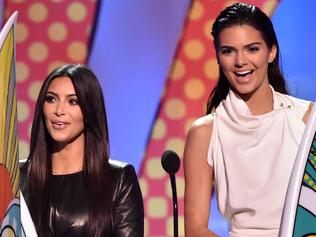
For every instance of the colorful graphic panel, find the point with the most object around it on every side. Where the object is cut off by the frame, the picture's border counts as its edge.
(10, 222)
(305, 219)
(299, 214)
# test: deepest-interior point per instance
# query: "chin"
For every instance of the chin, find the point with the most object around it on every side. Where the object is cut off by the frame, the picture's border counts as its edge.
(61, 140)
(64, 139)
(243, 89)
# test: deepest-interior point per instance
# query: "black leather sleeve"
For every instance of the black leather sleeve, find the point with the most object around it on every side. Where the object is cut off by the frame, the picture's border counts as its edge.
(128, 210)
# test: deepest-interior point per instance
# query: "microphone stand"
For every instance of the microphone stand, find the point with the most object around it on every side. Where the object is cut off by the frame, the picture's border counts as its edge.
(175, 204)
(170, 162)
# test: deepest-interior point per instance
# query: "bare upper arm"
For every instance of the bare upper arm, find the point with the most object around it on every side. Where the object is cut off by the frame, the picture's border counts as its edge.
(198, 174)
(307, 113)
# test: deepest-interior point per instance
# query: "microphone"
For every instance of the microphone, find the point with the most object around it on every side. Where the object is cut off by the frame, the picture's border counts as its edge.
(170, 162)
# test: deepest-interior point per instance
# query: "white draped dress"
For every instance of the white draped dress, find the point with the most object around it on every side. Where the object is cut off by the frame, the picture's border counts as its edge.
(252, 157)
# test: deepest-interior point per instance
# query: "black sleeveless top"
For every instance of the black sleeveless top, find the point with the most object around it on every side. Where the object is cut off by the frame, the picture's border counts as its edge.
(68, 205)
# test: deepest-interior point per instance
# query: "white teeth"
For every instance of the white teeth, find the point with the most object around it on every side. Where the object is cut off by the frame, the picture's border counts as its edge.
(244, 73)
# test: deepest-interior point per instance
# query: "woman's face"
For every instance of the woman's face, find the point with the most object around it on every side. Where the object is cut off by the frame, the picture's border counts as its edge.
(63, 115)
(244, 57)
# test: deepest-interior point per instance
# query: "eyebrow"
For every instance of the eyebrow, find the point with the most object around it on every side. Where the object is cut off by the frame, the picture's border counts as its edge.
(246, 46)
(55, 94)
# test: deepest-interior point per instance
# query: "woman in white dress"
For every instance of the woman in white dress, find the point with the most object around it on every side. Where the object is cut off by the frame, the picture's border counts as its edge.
(245, 146)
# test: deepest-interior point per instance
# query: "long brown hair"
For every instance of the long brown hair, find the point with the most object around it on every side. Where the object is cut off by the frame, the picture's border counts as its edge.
(96, 153)
(245, 14)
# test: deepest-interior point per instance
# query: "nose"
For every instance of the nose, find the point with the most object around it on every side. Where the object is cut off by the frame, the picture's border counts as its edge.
(240, 60)
(59, 109)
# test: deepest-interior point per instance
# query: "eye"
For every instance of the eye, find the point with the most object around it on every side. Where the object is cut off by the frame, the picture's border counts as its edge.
(227, 51)
(73, 101)
(253, 49)
(50, 99)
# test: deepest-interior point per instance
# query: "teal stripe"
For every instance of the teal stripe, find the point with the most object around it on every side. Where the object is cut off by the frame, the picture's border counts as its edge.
(305, 223)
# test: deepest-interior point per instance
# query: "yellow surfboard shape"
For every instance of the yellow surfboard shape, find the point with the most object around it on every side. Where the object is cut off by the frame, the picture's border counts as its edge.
(10, 224)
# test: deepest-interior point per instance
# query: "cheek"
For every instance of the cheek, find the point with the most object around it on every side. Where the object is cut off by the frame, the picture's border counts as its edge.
(262, 68)
(262, 61)
(78, 117)
(225, 63)
(226, 67)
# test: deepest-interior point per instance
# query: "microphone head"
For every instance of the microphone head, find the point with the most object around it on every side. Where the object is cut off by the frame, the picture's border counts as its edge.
(170, 162)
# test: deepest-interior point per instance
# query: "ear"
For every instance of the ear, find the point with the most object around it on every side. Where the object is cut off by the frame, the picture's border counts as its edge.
(272, 53)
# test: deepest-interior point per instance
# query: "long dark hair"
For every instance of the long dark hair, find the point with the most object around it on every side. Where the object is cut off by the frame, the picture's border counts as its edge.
(96, 153)
(245, 14)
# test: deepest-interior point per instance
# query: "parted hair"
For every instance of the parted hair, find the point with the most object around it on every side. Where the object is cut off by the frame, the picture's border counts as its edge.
(96, 153)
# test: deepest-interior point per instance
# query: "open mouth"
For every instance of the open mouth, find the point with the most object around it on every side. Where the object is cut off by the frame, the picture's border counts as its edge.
(59, 125)
(243, 73)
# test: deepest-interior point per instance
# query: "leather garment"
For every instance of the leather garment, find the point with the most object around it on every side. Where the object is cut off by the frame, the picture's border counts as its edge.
(68, 203)
(128, 202)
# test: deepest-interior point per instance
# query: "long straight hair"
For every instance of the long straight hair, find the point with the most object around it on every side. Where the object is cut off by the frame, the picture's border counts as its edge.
(96, 154)
(245, 14)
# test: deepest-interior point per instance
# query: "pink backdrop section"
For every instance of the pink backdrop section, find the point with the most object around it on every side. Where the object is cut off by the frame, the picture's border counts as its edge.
(49, 33)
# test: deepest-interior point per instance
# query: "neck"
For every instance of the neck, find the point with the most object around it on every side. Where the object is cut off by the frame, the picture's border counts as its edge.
(68, 158)
(260, 102)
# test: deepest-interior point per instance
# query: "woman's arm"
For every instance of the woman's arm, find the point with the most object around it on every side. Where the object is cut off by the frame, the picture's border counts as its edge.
(128, 210)
(198, 179)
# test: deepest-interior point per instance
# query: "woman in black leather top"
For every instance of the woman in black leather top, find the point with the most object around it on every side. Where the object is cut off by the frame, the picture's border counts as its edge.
(70, 186)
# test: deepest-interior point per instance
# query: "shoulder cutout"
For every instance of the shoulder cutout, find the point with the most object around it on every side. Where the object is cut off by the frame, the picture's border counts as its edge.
(307, 113)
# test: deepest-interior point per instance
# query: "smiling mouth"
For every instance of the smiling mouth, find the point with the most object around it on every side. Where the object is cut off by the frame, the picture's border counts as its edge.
(243, 73)
(243, 77)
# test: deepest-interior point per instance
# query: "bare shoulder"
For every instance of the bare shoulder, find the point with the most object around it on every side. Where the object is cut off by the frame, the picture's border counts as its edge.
(202, 126)
(308, 112)
(198, 137)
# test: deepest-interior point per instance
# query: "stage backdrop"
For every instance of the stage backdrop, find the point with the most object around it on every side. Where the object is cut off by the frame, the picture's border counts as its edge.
(133, 55)
(294, 23)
